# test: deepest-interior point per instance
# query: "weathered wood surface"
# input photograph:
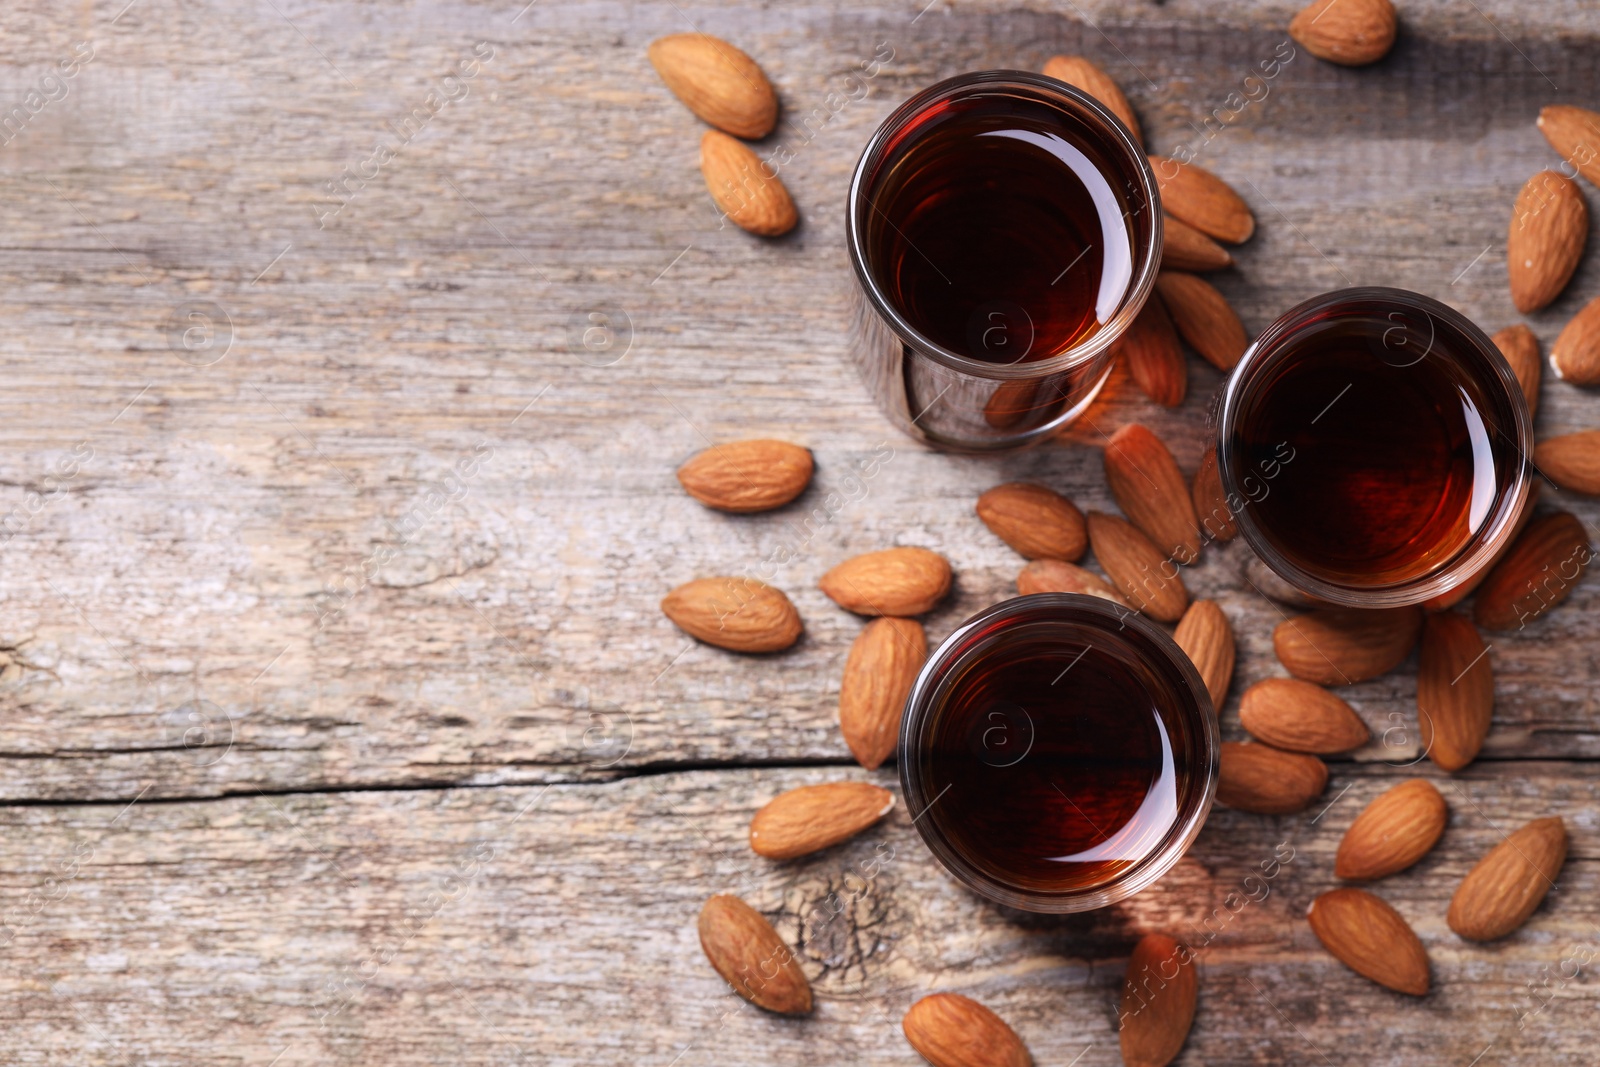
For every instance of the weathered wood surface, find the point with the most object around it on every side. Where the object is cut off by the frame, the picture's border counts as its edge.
(390, 527)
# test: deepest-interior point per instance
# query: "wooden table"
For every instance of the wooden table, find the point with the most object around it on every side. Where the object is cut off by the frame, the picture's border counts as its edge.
(341, 724)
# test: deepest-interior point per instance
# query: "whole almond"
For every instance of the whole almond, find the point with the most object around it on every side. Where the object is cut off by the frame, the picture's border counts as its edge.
(814, 817)
(1300, 717)
(1055, 576)
(1575, 357)
(1137, 568)
(716, 81)
(1549, 225)
(746, 476)
(1548, 558)
(1394, 831)
(1192, 194)
(744, 187)
(1264, 580)
(1151, 491)
(1368, 936)
(895, 581)
(1204, 317)
(1038, 523)
(1157, 1007)
(1341, 646)
(1467, 588)
(1268, 781)
(1349, 32)
(1079, 73)
(739, 614)
(883, 664)
(1575, 133)
(1185, 248)
(1206, 638)
(1505, 887)
(1210, 502)
(950, 1030)
(1521, 349)
(1014, 402)
(1155, 359)
(1572, 461)
(1455, 690)
(751, 957)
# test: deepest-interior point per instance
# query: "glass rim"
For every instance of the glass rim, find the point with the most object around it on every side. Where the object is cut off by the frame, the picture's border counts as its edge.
(1467, 562)
(1138, 875)
(1060, 93)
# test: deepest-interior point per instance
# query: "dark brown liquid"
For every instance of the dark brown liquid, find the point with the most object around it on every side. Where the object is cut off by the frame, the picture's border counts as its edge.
(996, 231)
(1060, 755)
(1390, 441)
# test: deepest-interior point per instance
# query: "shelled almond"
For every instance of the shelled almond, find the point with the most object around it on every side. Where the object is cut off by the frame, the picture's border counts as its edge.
(1341, 646)
(747, 190)
(1300, 717)
(738, 614)
(1367, 935)
(1502, 891)
(1057, 576)
(1575, 357)
(1549, 226)
(1521, 349)
(1455, 690)
(747, 476)
(1151, 491)
(750, 956)
(1153, 356)
(1268, 781)
(1138, 569)
(883, 665)
(1539, 571)
(815, 817)
(1204, 317)
(1159, 993)
(895, 581)
(1037, 522)
(1575, 133)
(1194, 195)
(1211, 502)
(718, 82)
(1185, 248)
(1080, 73)
(1352, 33)
(1571, 460)
(1207, 639)
(1399, 827)
(950, 1030)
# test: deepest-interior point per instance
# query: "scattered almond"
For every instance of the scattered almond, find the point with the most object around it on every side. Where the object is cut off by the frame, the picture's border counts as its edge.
(883, 664)
(1537, 573)
(1268, 781)
(1211, 502)
(1575, 133)
(1038, 523)
(950, 1030)
(1572, 461)
(751, 957)
(1206, 638)
(1185, 248)
(1055, 576)
(1151, 491)
(1394, 831)
(1300, 717)
(716, 81)
(1341, 646)
(1157, 1007)
(1465, 589)
(739, 614)
(1203, 317)
(1455, 690)
(744, 187)
(1368, 936)
(1137, 568)
(1549, 226)
(814, 817)
(895, 581)
(1349, 32)
(1079, 73)
(1575, 357)
(1192, 194)
(1014, 402)
(746, 476)
(1264, 580)
(1499, 894)
(1154, 358)
(1521, 349)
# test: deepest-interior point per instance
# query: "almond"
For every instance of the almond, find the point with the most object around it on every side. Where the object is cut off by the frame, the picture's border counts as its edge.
(1267, 781)
(1038, 523)
(1575, 357)
(1349, 32)
(1341, 646)
(751, 957)
(950, 1030)
(1185, 248)
(1203, 317)
(1572, 461)
(1079, 73)
(1466, 588)
(716, 81)
(813, 817)
(896, 581)
(1264, 580)
(1014, 402)
(878, 676)
(1540, 569)
(1394, 831)
(1521, 349)
(746, 476)
(1210, 502)
(1154, 358)
(1151, 491)
(1192, 194)
(739, 614)
(1157, 1007)
(1549, 225)
(1206, 638)
(1054, 576)
(744, 187)
(1368, 936)
(1137, 568)
(1575, 133)
(1455, 690)
(1300, 717)
(1499, 894)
